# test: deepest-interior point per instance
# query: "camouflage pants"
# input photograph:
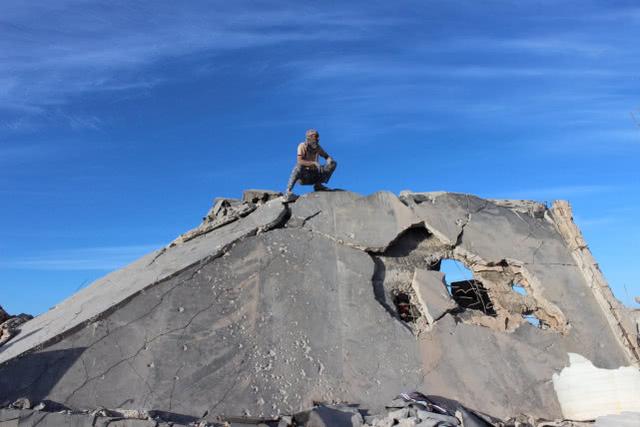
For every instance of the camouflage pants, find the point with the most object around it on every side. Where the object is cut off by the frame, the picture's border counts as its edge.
(310, 176)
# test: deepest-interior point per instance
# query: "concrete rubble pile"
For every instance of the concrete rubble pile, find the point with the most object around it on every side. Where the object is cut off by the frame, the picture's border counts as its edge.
(9, 325)
(274, 313)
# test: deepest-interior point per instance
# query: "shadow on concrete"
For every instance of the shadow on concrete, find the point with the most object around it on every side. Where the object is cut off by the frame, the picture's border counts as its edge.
(35, 374)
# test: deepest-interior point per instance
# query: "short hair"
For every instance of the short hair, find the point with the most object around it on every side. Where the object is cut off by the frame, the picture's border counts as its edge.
(311, 132)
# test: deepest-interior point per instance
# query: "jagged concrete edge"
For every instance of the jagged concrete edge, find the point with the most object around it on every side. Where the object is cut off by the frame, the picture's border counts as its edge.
(279, 221)
(562, 217)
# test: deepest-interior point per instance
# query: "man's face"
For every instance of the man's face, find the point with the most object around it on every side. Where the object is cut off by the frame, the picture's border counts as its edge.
(313, 139)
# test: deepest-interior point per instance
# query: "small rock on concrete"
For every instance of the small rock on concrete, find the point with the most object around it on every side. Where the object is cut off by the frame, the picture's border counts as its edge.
(9, 328)
(259, 196)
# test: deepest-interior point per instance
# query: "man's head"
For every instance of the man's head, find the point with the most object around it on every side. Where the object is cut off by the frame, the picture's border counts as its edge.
(312, 136)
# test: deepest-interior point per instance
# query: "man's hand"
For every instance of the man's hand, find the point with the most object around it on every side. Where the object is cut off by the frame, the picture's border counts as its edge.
(310, 164)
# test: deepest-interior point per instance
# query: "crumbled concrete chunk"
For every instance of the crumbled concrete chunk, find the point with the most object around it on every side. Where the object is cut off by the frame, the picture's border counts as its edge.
(431, 292)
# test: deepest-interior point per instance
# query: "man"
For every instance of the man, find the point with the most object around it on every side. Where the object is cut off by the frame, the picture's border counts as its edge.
(307, 170)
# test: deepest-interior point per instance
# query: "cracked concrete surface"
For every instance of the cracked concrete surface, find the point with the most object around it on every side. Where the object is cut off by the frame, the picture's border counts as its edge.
(107, 293)
(293, 304)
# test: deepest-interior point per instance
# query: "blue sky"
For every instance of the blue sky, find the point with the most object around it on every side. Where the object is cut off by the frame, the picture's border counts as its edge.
(120, 121)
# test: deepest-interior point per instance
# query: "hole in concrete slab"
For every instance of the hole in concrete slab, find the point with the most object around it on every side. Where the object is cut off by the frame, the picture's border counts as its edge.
(407, 312)
(471, 294)
(519, 289)
(468, 292)
(455, 271)
(531, 318)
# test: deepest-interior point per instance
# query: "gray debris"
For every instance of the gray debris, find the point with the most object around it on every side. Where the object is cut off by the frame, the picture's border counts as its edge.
(21, 403)
(11, 326)
(324, 416)
(259, 196)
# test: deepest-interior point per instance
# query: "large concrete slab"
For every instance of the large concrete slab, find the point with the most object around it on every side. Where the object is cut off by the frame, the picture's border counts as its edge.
(112, 290)
(284, 319)
(305, 313)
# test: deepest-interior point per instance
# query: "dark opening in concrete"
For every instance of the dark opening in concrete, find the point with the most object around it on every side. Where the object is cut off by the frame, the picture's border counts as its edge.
(470, 294)
(407, 312)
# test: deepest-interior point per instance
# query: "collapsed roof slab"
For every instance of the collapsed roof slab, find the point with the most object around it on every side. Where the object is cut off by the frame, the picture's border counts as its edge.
(290, 316)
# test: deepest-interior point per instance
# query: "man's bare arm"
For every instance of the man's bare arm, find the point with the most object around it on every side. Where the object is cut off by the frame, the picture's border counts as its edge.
(324, 154)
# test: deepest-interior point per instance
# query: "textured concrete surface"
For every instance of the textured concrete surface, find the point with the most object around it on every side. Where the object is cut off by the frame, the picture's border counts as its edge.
(107, 293)
(370, 223)
(285, 318)
(298, 303)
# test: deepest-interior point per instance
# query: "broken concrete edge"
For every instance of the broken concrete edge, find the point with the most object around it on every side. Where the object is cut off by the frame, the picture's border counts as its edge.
(251, 200)
(545, 310)
(614, 311)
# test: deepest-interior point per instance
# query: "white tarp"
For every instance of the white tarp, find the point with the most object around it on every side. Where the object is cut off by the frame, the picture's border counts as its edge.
(586, 392)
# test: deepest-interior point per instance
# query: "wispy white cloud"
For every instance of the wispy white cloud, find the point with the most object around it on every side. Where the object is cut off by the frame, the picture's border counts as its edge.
(77, 47)
(97, 258)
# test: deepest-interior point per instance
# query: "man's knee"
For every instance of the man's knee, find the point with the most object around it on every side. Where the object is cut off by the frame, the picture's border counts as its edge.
(332, 165)
(296, 171)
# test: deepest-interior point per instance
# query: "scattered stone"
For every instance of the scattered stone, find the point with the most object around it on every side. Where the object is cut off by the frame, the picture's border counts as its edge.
(259, 196)
(324, 416)
(408, 422)
(399, 414)
(10, 327)
(285, 421)
(21, 403)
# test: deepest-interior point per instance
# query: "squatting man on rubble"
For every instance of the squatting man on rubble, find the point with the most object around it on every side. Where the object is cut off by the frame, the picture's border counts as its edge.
(308, 170)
